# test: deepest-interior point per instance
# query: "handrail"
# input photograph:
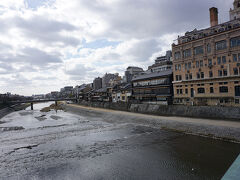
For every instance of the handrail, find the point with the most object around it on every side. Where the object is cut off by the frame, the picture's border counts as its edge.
(233, 172)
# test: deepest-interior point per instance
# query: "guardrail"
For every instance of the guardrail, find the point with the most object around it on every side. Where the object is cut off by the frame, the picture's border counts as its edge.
(233, 172)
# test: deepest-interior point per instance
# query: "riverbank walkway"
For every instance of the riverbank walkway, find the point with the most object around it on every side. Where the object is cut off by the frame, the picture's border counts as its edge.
(220, 123)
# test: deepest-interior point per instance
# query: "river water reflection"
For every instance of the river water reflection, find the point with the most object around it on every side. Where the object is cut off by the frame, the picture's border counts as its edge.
(62, 145)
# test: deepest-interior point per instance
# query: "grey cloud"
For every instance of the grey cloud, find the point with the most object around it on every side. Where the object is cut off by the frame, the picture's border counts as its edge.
(145, 19)
(144, 49)
(79, 70)
(38, 57)
(29, 60)
(45, 30)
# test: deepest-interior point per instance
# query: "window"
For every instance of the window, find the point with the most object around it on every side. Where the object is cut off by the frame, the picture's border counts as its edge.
(178, 77)
(177, 91)
(219, 60)
(177, 55)
(237, 90)
(190, 76)
(176, 67)
(236, 101)
(197, 64)
(235, 41)
(201, 90)
(201, 63)
(221, 45)
(224, 60)
(179, 67)
(186, 91)
(210, 74)
(225, 72)
(211, 90)
(189, 65)
(198, 75)
(202, 75)
(223, 89)
(220, 73)
(210, 62)
(209, 48)
(186, 76)
(238, 56)
(235, 59)
(235, 71)
(198, 50)
(186, 65)
(181, 91)
(187, 53)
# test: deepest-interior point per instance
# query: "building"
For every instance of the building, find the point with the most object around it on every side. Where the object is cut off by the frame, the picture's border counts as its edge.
(155, 87)
(117, 80)
(97, 83)
(121, 92)
(162, 63)
(106, 79)
(206, 63)
(84, 92)
(131, 72)
(38, 96)
(66, 91)
(235, 12)
(103, 95)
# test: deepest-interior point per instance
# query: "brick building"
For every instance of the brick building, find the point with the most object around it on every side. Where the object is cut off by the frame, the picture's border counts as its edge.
(206, 63)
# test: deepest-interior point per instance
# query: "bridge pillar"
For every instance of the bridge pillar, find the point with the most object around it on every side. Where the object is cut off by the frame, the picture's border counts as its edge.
(31, 106)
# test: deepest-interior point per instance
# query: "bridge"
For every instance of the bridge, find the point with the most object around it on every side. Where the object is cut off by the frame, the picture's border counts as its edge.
(42, 100)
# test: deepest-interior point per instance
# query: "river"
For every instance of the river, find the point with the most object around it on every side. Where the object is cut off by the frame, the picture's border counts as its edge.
(64, 145)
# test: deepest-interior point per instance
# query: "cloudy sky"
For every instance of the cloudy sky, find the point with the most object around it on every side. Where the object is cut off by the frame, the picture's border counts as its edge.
(48, 44)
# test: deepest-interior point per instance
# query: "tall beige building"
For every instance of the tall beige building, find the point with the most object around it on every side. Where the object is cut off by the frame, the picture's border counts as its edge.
(206, 63)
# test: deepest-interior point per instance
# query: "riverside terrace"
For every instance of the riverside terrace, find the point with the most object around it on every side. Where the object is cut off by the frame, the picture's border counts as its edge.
(42, 100)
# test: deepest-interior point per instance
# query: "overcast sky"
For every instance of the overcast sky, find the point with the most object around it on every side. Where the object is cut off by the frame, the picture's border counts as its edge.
(48, 44)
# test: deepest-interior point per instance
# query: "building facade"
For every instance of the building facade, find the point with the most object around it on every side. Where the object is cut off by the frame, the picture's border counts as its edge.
(206, 64)
(155, 87)
(235, 12)
(130, 72)
(162, 63)
(121, 93)
(97, 83)
(107, 78)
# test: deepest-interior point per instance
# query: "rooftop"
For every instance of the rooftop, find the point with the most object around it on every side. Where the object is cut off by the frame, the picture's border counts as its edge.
(153, 75)
(199, 34)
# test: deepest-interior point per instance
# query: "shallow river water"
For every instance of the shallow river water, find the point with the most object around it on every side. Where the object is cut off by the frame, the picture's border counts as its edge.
(63, 145)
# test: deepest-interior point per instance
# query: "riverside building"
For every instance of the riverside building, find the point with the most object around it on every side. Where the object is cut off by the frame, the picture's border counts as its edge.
(206, 63)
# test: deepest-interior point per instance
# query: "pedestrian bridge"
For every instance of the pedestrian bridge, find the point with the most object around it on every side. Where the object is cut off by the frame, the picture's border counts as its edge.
(42, 100)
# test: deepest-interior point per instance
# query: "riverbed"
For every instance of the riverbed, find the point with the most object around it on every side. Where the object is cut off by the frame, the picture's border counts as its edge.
(91, 145)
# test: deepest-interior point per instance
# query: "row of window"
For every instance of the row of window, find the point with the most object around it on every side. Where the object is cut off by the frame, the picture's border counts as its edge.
(151, 82)
(234, 42)
(200, 75)
(201, 90)
(220, 60)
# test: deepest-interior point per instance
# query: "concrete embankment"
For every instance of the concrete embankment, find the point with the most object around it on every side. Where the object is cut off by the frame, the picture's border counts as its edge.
(5, 111)
(209, 112)
(224, 130)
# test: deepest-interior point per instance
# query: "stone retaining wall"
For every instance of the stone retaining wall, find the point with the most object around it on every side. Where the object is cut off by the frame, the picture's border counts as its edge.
(211, 112)
(7, 110)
